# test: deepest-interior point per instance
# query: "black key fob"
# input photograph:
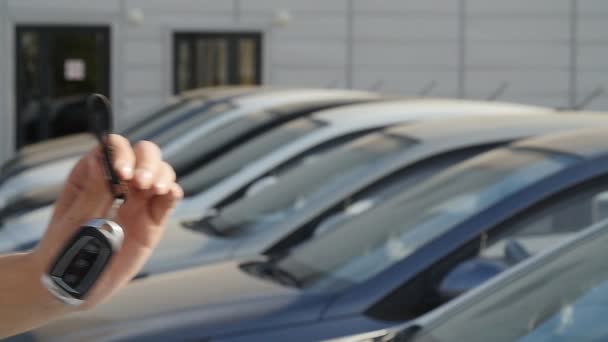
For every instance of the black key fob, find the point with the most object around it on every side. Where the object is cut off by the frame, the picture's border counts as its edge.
(83, 260)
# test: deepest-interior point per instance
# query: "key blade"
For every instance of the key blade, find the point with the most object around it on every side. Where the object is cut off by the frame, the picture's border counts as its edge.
(100, 116)
(100, 121)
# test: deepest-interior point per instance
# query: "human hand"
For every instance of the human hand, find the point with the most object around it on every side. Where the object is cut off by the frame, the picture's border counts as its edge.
(152, 193)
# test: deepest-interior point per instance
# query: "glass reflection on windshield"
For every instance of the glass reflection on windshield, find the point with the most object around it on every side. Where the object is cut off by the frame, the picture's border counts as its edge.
(398, 227)
(230, 163)
(291, 188)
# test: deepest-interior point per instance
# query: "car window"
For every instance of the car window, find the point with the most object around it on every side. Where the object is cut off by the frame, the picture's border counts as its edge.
(395, 230)
(292, 186)
(230, 163)
(371, 196)
(160, 120)
(207, 147)
(553, 221)
(197, 117)
(394, 185)
(153, 113)
(559, 298)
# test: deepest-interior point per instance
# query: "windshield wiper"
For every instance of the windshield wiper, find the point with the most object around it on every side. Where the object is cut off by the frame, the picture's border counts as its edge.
(204, 225)
(270, 270)
(212, 224)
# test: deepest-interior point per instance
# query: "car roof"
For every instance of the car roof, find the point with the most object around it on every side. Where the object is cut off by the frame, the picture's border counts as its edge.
(286, 95)
(215, 92)
(495, 126)
(585, 143)
(434, 106)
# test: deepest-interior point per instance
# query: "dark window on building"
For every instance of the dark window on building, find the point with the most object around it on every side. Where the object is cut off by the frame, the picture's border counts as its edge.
(216, 59)
(57, 66)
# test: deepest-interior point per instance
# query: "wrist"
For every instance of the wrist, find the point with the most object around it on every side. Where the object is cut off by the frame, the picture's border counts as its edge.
(36, 266)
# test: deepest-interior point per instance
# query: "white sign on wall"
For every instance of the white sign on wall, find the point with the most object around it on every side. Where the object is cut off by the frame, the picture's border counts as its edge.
(74, 70)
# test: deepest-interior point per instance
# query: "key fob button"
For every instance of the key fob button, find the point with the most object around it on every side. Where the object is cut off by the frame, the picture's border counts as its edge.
(81, 263)
(92, 248)
(70, 279)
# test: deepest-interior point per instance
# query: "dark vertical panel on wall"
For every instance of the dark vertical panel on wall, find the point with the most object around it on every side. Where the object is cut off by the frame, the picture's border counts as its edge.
(462, 48)
(573, 77)
(350, 41)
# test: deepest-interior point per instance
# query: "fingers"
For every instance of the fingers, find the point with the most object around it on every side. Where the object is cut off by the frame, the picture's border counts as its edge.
(165, 178)
(122, 155)
(161, 206)
(85, 171)
(148, 162)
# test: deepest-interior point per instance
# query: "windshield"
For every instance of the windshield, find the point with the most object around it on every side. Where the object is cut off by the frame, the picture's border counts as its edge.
(398, 227)
(160, 119)
(291, 188)
(227, 165)
(206, 148)
(184, 123)
(562, 297)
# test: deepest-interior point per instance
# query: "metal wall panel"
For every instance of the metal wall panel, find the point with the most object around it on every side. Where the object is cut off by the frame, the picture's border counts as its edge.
(177, 6)
(143, 52)
(294, 5)
(104, 5)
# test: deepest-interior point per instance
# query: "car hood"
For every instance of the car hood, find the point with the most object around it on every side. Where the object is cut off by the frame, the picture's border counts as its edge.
(181, 247)
(47, 175)
(217, 299)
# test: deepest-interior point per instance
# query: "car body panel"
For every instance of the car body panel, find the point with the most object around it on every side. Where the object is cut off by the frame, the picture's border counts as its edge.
(45, 175)
(44, 152)
(314, 331)
(228, 293)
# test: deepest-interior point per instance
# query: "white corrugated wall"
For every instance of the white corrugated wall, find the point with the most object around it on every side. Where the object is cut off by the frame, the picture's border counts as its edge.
(548, 52)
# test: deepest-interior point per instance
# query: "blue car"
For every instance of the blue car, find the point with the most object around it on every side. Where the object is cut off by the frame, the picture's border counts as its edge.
(560, 295)
(386, 266)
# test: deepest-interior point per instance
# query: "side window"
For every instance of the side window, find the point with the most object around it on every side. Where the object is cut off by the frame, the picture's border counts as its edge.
(315, 152)
(395, 184)
(551, 222)
(304, 157)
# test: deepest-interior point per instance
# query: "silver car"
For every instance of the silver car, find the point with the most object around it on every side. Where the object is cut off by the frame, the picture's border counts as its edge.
(175, 139)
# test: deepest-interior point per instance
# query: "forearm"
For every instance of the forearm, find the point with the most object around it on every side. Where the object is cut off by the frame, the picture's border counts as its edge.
(24, 302)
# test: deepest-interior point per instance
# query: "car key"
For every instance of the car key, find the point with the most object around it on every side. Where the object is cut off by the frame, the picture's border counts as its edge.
(86, 255)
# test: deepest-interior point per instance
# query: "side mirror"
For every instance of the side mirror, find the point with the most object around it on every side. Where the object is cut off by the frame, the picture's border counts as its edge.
(515, 252)
(599, 207)
(260, 185)
(468, 275)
